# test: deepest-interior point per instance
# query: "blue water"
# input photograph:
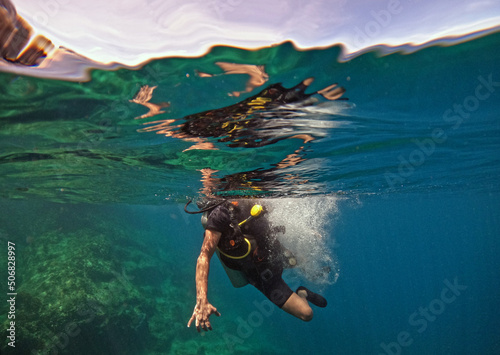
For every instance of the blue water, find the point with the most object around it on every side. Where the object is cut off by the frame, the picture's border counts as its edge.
(410, 160)
(395, 256)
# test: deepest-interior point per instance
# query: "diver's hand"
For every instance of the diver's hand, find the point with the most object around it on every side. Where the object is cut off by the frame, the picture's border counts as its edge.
(202, 311)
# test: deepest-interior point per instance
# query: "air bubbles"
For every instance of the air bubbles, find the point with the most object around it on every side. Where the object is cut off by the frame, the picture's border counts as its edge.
(308, 222)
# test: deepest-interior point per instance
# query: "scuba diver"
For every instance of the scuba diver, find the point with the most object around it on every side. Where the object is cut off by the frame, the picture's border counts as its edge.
(244, 240)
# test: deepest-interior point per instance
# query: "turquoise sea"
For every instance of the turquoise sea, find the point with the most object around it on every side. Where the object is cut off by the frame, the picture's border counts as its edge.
(396, 190)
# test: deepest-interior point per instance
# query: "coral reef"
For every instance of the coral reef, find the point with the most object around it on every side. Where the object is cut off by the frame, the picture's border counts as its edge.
(76, 289)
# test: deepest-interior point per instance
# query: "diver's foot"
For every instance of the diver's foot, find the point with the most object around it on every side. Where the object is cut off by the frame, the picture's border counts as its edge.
(312, 297)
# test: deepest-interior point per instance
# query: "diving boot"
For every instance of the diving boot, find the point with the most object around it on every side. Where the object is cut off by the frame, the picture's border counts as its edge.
(312, 297)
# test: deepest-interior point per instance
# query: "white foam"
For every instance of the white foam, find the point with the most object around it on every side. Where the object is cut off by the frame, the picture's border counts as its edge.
(309, 224)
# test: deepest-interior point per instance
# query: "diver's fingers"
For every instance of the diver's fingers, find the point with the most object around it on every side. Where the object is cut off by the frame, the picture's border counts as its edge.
(214, 310)
(327, 88)
(191, 319)
(332, 92)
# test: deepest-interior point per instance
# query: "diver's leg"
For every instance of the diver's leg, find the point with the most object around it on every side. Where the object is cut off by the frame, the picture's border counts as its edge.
(267, 278)
(298, 306)
(298, 303)
(277, 290)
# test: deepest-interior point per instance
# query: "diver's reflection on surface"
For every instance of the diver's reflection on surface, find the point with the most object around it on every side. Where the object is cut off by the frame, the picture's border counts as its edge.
(282, 178)
(257, 75)
(274, 114)
(257, 121)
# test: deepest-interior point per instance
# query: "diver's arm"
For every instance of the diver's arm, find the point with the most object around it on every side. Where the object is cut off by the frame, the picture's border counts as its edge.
(203, 309)
(203, 266)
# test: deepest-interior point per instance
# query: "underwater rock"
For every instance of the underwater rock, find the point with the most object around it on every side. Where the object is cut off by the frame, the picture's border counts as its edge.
(77, 297)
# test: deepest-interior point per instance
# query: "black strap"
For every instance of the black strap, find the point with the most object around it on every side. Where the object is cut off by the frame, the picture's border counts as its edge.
(203, 210)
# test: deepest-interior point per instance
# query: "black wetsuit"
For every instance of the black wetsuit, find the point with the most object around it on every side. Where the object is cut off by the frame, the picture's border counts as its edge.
(264, 265)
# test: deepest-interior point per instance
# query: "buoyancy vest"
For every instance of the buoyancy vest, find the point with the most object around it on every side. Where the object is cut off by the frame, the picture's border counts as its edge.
(233, 244)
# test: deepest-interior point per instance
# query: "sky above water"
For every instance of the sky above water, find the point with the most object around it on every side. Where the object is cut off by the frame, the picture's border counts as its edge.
(131, 32)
